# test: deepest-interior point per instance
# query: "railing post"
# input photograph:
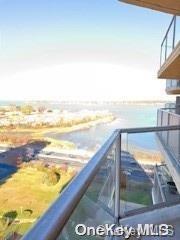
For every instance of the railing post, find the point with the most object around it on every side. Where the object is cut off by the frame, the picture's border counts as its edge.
(174, 33)
(117, 178)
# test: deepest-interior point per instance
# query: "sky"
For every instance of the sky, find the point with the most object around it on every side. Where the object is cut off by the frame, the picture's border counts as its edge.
(80, 50)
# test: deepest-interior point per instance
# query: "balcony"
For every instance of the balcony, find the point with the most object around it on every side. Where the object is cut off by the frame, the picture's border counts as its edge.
(168, 6)
(170, 52)
(114, 187)
(173, 86)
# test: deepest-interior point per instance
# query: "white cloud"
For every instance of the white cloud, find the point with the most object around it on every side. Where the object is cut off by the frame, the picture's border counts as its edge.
(83, 81)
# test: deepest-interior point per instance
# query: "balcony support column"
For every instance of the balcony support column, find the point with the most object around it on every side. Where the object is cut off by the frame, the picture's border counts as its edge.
(178, 105)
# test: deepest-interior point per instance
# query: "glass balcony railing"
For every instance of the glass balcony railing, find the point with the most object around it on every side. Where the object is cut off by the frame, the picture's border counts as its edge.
(115, 184)
(171, 139)
(171, 106)
(172, 85)
(170, 40)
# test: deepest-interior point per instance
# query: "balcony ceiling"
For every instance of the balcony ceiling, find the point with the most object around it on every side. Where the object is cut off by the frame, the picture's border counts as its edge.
(167, 6)
(171, 68)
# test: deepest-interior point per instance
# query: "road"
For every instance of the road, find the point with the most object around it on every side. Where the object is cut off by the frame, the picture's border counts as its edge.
(62, 158)
(76, 159)
(58, 159)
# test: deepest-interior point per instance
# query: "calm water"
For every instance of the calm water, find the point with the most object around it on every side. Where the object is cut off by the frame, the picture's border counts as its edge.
(126, 116)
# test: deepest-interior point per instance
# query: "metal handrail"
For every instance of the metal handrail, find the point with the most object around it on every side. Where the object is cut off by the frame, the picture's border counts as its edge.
(149, 129)
(167, 108)
(50, 225)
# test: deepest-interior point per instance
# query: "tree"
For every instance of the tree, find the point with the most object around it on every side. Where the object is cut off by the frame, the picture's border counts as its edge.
(26, 109)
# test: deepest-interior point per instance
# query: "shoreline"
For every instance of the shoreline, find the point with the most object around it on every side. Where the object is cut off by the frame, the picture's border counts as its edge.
(74, 128)
(141, 155)
(47, 133)
(81, 126)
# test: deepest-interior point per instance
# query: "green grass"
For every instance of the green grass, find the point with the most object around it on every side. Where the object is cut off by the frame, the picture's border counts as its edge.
(137, 193)
(137, 196)
(14, 227)
(25, 196)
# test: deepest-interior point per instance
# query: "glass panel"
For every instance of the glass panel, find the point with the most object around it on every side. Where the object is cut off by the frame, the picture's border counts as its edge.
(159, 116)
(170, 41)
(145, 180)
(177, 38)
(174, 144)
(163, 52)
(173, 37)
(168, 84)
(165, 122)
(97, 205)
(171, 139)
(172, 84)
(137, 172)
(177, 83)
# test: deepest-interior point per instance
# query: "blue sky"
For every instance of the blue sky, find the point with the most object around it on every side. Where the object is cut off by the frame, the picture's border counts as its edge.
(43, 34)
